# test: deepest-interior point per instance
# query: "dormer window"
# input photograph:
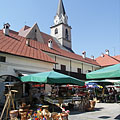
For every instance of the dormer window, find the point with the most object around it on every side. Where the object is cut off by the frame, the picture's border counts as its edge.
(66, 34)
(56, 31)
(50, 45)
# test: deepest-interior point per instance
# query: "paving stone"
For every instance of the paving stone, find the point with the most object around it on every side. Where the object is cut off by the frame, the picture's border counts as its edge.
(108, 111)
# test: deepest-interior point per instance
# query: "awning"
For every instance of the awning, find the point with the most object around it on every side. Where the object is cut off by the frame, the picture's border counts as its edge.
(52, 77)
(107, 72)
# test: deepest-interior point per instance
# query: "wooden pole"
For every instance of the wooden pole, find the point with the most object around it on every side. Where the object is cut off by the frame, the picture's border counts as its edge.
(4, 106)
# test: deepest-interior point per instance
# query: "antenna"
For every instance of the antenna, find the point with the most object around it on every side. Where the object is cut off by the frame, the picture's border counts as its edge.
(25, 22)
(114, 51)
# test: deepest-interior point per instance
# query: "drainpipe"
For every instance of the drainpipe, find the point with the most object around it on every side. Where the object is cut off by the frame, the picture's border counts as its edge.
(55, 61)
(70, 65)
(82, 67)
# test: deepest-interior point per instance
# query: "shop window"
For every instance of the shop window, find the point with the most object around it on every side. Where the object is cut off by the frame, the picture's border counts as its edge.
(56, 31)
(79, 70)
(63, 67)
(2, 59)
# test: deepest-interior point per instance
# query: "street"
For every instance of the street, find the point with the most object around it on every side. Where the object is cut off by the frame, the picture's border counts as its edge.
(108, 111)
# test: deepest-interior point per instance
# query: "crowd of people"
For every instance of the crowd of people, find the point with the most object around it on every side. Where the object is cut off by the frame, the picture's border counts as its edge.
(105, 94)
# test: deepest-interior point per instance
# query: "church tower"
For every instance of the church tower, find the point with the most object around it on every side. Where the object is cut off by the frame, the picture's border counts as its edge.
(61, 30)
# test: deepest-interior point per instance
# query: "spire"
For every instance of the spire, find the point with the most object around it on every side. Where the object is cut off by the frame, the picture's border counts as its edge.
(61, 9)
(61, 16)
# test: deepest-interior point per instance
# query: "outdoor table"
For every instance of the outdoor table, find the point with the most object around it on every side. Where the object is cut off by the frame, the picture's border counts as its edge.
(63, 100)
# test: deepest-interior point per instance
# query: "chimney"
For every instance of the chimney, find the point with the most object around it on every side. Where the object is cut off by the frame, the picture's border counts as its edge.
(50, 45)
(102, 55)
(6, 29)
(84, 54)
(28, 42)
(92, 57)
(107, 52)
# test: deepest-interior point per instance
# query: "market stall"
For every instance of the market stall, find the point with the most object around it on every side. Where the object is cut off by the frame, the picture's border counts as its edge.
(55, 80)
(104, 73)
(108, 76)
(46, 89)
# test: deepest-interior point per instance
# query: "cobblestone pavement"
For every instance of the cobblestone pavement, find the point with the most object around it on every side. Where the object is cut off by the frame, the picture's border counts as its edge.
(103, 111)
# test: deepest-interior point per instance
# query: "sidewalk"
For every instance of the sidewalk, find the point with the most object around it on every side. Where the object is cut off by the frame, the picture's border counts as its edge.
(108, 111)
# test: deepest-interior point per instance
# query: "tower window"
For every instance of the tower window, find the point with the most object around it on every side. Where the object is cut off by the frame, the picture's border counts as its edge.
(66, 34)
(56, 31)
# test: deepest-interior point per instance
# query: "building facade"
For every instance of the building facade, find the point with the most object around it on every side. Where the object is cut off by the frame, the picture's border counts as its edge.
(31, 51)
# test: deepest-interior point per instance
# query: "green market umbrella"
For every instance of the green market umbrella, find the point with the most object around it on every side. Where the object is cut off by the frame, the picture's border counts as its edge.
(52, 77)
(107, 72)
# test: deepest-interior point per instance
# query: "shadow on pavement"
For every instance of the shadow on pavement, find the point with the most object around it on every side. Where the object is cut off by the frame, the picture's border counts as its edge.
(74, 112)
(104, 117)
(98, 109)
(117, 118)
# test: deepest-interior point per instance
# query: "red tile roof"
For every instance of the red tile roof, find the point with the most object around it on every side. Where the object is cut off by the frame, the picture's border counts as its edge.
(117, 57)
(56, 50)
(47, 37)
(107, 60)
(16, 45)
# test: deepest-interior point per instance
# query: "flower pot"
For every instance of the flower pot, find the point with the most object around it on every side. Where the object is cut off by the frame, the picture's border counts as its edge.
(13, 113)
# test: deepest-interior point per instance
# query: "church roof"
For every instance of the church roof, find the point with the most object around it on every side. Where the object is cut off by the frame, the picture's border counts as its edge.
(61, 9)
(16, 45)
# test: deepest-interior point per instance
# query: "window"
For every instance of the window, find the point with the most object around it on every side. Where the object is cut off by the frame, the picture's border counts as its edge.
(35, 30)
(89, 71)
(63, 67)
(56, 31)
(66, 34)
(2, 59)
(79, 70)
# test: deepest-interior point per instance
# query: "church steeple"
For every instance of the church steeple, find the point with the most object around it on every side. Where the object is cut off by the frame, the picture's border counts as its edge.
(61, 30)
(61, 9)
(61, 16)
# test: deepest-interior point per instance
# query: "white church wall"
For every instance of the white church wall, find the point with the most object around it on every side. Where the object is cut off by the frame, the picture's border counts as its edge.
(59, 35)
(75, 65)
(60, 60)
(67, 43)
(21, 63)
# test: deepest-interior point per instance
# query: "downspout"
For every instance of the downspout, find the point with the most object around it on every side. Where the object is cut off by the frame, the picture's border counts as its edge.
(55, 63)
(92, 68)
(70, 66)
(82, 68)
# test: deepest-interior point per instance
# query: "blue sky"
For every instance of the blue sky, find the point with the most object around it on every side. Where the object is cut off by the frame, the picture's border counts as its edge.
(95, 23)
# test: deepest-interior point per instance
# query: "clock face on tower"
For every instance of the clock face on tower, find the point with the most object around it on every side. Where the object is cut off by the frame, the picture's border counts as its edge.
(56, 20)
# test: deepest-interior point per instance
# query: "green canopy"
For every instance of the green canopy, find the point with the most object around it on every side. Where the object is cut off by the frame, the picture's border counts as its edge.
(107, 72)
(52, 77)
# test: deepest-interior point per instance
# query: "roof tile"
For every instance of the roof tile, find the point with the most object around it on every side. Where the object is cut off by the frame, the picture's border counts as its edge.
(15, 44)
(107, 60)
